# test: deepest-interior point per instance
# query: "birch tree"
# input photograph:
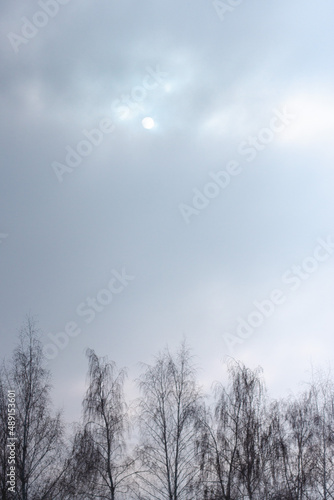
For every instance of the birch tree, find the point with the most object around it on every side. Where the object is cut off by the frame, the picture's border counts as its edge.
(168, 411)
(100, 467)
(39, 429)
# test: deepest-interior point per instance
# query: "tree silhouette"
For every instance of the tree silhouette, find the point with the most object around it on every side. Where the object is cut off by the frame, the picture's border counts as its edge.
(100, 468)
(167, 414)
(39, 430)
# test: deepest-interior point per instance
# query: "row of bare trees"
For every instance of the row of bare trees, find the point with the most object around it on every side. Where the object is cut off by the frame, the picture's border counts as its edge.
(240, 446)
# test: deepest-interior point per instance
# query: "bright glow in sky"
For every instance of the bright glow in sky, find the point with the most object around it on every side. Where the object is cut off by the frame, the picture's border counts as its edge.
(148, 122)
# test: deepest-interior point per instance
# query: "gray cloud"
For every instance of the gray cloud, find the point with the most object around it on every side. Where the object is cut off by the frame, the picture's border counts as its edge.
(119, 207)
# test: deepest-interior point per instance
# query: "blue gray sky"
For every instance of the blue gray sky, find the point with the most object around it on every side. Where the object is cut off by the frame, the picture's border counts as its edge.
(215, 225)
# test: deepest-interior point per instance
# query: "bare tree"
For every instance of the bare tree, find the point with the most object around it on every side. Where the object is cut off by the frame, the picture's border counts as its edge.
(168, 410)
(100, 468)
(294, 441)
(233, 440)
(38, 430)
(322, 390)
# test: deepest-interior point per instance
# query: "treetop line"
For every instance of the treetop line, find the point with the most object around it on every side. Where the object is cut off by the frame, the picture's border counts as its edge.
(243, 446)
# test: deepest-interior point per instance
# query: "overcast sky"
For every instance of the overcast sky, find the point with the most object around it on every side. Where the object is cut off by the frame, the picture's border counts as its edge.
(215, 225)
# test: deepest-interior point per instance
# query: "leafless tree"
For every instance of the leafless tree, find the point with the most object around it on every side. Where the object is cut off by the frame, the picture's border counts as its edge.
(168, 411)
(294, 441)
(100, 468)
(322, 390)
(233, 440)
(39, 446)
